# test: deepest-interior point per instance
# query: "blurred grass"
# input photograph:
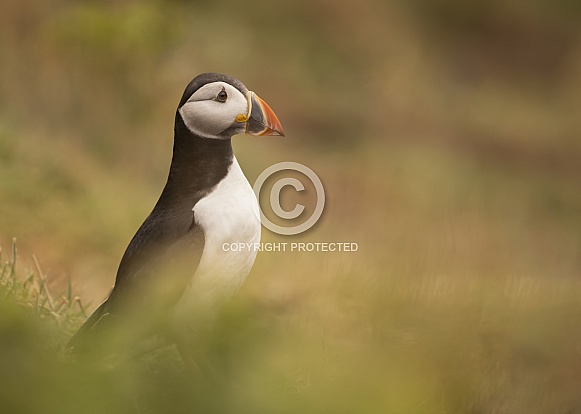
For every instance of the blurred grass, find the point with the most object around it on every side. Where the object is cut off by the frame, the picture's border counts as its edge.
(447, 137)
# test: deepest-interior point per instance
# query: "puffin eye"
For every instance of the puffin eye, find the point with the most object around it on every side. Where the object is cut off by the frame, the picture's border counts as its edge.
(222, 96)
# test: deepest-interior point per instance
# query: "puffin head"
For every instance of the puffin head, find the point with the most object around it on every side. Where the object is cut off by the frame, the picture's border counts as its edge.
(217, 106)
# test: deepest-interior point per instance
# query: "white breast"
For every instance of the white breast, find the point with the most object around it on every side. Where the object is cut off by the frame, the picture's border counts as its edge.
(229, 214)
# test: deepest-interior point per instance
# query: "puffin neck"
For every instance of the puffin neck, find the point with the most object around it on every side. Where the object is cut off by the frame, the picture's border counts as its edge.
(198, 164)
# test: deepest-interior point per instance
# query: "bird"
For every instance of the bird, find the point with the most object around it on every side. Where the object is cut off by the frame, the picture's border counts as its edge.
(175, 273)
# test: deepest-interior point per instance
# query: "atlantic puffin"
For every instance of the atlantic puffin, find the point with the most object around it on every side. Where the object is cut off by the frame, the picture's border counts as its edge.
(175, 273)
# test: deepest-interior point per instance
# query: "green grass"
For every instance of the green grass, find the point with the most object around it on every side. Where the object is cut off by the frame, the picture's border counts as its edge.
(416, 344)
(34, 293)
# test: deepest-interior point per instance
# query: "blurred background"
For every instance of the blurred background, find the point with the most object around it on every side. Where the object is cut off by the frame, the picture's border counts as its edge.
(447, 135)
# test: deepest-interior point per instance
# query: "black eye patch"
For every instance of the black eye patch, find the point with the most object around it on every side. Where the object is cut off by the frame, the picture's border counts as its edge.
(222, 96)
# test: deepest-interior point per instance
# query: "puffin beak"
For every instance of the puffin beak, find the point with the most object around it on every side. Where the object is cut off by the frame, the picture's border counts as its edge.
(261, 120)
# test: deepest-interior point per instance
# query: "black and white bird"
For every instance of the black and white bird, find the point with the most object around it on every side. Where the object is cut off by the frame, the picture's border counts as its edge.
(175, 272)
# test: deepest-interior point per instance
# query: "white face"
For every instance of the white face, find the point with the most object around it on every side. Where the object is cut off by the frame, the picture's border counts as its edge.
(213, 108)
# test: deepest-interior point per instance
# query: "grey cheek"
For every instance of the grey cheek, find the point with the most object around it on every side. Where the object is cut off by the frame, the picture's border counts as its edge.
(233, 129)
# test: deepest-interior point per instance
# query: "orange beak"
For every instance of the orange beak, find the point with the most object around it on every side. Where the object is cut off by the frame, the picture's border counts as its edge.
(261, 118)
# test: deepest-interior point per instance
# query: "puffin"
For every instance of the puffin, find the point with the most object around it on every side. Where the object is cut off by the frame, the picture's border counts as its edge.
(176, 274)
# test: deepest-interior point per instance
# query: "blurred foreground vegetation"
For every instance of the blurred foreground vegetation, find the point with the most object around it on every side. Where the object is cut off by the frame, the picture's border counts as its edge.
(447, 135)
